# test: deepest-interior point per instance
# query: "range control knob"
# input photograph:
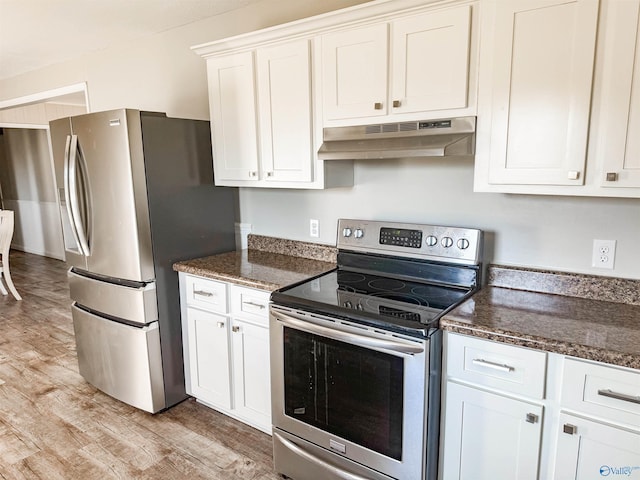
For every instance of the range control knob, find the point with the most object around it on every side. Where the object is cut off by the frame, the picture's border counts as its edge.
(359, 306)
(447, 242)
(346, 232)
(431, 241)
(348, 304)
(463, 244)
(359, 233)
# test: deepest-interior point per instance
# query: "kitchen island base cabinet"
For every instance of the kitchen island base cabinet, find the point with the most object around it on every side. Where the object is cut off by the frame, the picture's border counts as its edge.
(226, 348)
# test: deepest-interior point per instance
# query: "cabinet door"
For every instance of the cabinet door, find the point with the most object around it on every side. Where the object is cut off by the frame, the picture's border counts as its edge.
(430, 61)
(208, 347)
(540, 89)
(588, 449)
(233, 117)
(252, 385)
(487, 436)
(620, 99)
(354, 73)
(285, 102)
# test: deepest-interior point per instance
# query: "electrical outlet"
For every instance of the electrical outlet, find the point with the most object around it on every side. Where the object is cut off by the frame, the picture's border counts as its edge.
(314, 228)
(604, 253)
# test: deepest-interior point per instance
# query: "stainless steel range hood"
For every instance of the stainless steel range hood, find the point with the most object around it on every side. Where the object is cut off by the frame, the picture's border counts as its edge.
(423, 138)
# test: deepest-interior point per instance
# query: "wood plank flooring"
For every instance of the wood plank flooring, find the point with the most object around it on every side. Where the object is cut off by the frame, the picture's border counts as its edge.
(54, 425)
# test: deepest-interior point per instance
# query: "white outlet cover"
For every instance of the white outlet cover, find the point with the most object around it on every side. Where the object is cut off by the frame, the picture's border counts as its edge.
(314, 228)
(604, 254)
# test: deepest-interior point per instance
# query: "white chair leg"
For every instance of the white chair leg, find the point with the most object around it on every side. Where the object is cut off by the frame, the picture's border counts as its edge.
(3, 290)
(7, 279)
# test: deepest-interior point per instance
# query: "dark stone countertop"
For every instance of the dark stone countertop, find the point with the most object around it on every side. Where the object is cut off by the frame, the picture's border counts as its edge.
(264, 268)
(570, 320)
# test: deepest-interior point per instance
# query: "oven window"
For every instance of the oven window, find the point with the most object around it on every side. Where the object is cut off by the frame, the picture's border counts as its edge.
(349, 391)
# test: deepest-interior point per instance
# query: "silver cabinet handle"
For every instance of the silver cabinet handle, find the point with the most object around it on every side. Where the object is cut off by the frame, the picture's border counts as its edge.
(235, 328)
(203, 293)
(573, 175)
(396, 103)
(377, 106)
(220, 324)
(532, 418)
(496, 366)
(619, 396)
(612, 177)
(269, 174)
(253, 174)
(569, 429)
(257, 305)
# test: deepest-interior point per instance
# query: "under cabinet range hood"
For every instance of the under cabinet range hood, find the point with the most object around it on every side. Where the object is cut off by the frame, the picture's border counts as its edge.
(422, 138)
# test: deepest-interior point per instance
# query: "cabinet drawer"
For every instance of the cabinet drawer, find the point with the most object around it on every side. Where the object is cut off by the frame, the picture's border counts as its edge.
(207, 294)
(601, 390)
(496, 365)
(250, 304)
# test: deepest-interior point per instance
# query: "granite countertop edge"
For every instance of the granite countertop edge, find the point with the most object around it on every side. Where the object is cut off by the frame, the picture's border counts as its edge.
(269, 263)
(522, 307)
(548, 345)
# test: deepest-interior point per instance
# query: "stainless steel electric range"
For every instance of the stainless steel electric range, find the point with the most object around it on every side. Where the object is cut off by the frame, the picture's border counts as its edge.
(356, 352)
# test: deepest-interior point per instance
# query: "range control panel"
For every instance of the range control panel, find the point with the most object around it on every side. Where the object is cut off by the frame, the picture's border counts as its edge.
(432, 242)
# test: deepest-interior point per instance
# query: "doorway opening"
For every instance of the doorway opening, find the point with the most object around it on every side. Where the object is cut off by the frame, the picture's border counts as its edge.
(27, 176)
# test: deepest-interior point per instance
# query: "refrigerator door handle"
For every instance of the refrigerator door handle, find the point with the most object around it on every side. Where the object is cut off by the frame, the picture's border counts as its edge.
(67, 191)
(71, 192)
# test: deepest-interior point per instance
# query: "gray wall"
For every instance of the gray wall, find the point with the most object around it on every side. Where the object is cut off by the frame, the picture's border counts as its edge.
(25, 167)
(538, 231)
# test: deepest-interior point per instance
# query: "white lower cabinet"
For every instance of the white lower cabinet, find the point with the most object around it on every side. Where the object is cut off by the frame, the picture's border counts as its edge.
(208, 351)
(517, 413)
(477, 425)
(226, 348)
(589, 449)
(492, 416)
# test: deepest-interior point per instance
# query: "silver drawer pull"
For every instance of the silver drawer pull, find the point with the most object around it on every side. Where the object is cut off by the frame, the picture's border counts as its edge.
(569, 429)
(220, 324)
(620, 396)
(202, 293)
(235, 328)
(531, 418)
(495, 366)
(258, 305)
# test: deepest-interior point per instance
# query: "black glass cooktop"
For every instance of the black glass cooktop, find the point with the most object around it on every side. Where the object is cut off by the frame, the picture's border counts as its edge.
(409, 306)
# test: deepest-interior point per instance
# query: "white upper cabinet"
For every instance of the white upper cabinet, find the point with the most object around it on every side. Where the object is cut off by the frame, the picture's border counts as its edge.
(417, 64)
(557, 111)
(618, 116)
(233, 118)
(285, 112)
(263, 122)
(430, 61)
(354, 73)
(542, 57)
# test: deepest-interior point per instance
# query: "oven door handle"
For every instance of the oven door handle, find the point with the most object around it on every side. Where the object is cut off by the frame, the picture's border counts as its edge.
(384, 344)
(337, 472)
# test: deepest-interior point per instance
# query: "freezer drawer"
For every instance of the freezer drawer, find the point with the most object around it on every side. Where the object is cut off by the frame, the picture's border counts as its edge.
(138, 305)
(121, 360)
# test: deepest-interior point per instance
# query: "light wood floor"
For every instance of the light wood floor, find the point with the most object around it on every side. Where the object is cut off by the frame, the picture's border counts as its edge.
(53, 425)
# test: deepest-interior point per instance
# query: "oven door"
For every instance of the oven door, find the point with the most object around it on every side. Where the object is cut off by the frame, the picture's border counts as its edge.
(344, 388)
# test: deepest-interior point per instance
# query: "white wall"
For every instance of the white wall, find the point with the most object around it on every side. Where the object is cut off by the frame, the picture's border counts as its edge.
(161, 73)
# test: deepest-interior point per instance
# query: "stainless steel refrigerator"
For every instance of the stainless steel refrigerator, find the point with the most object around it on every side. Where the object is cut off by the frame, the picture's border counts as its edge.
(136, 194)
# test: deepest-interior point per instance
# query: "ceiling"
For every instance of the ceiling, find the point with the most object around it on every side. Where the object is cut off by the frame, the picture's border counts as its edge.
(37, 33)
